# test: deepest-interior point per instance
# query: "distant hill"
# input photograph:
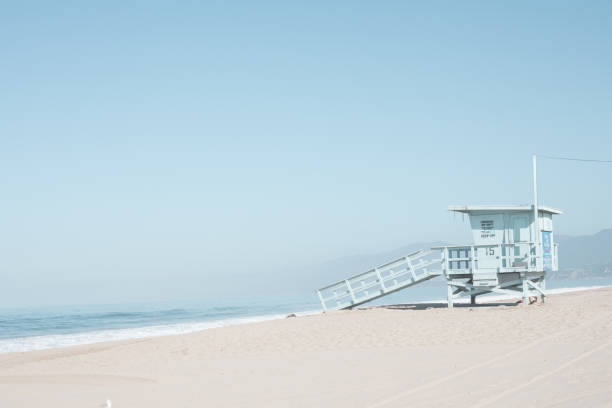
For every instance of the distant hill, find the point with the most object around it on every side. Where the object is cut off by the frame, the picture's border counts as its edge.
(586, 256)
(315, 276)
(341, 268)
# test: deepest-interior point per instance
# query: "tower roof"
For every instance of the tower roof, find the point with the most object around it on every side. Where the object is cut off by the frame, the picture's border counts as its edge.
(473, 208)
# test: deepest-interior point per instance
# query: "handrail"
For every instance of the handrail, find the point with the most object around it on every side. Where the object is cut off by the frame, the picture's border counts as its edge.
(453, 260)
(414, 255)
(382, 280)
(532, 256)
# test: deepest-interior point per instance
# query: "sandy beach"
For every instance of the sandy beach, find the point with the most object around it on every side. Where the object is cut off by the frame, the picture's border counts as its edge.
(558, 354)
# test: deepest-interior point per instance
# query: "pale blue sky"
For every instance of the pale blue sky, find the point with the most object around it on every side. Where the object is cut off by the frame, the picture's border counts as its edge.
(148, 147)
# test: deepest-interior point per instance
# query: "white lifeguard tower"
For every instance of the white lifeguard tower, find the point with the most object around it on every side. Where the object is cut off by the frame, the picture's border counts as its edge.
(512, 251)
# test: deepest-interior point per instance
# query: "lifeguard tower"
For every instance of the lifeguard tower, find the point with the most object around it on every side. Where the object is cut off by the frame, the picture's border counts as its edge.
(512, 251)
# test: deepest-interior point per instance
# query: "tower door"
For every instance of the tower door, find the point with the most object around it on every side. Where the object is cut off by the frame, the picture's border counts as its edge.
(488, 266)
(488, 230)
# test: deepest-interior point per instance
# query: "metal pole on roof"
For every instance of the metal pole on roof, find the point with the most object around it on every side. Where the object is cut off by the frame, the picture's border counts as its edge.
(536, 221)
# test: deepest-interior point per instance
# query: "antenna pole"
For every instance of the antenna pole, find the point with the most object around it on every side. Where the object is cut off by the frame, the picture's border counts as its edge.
(536, 221)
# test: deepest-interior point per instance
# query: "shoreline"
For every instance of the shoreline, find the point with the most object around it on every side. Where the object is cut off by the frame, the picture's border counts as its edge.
(503, 355)
(61, 341)
(64, 340)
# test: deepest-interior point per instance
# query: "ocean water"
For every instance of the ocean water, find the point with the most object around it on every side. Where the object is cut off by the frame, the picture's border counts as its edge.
(27, 329)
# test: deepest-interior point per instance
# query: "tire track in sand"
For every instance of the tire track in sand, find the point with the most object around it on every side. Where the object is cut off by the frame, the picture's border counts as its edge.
(541, 376)
(493, 360)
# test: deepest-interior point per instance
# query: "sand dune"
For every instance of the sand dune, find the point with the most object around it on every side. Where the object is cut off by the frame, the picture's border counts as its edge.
(558, 354)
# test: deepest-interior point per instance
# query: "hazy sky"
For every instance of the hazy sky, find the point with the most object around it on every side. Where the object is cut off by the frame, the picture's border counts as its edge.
(163, 150)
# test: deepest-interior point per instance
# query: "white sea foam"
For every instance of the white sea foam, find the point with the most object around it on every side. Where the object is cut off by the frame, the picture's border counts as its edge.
(65, 340)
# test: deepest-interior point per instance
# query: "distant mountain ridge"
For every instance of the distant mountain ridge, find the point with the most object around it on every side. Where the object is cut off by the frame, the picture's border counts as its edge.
(585, 256)
(344, 267)
(312, 277)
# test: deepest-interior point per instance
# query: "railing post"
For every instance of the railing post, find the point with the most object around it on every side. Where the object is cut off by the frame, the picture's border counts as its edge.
(322, 301)
(411, 269)
(510, 254)
(380, 280)
(446, 267)
(472, 260)
(348, 285)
